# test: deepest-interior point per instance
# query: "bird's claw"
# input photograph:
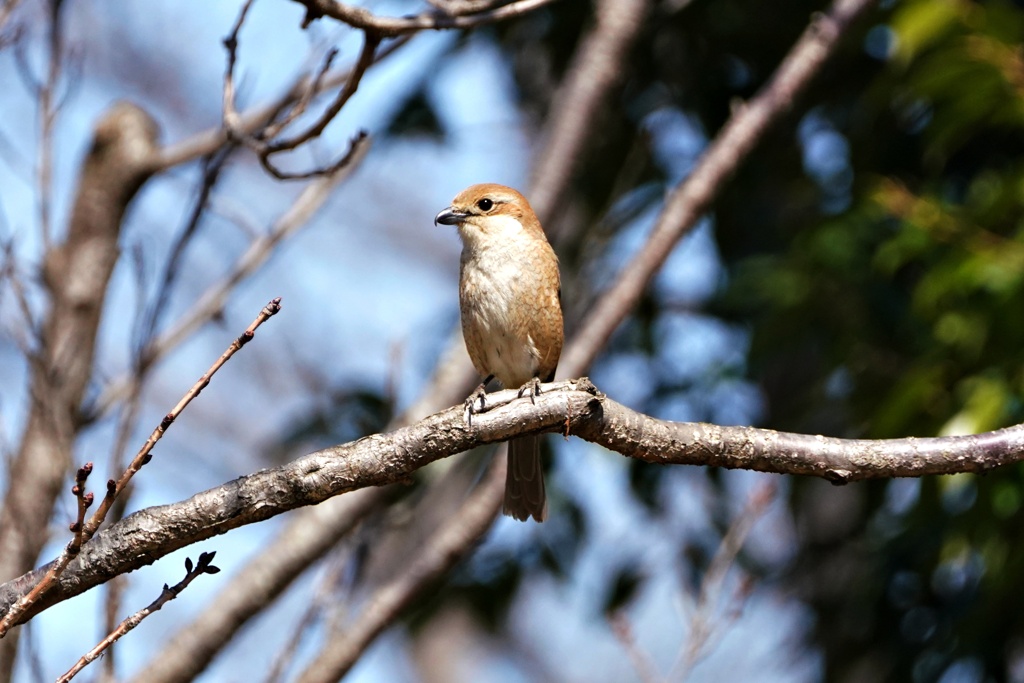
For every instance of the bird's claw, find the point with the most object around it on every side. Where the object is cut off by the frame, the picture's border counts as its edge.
(468, 408)
(533, 387)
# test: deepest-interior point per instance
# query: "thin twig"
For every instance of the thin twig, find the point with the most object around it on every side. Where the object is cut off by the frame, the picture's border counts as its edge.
(231, 45)
(211, 303)
(86, 531)
(458, 16)
(145, 453)
(311, 90)
(702, 623)
(253, 121)
(366, 58)
(623, 632)
(203, 566)
(260, 142)
(47, 118)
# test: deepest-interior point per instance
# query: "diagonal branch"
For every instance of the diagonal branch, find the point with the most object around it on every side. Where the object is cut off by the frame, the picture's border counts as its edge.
(260, 582)
(694, 196)
(192, 572)
(83, 531)
(441, 552)
(597, 67)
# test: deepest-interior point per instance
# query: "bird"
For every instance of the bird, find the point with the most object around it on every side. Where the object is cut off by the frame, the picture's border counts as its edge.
(511, 310)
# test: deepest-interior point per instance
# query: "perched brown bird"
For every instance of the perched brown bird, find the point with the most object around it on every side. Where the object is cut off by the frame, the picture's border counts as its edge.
(509, 297)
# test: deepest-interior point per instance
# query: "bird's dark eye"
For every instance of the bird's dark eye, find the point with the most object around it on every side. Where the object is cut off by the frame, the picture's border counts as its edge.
(485, 204)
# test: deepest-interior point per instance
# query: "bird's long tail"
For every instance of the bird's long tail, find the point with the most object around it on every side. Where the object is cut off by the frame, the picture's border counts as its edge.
(524, 481)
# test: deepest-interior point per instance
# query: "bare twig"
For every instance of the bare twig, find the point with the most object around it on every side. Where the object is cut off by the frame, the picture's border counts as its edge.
(623, 631)
(702, 620)
(313, 87)
(83, 533)
(203, 566)
(261, 142)
(307, 536)
(252, 122)
(389, 27)
(366, 58)
(145, 453)
(692, 197)
(211, 303)
(231, 45)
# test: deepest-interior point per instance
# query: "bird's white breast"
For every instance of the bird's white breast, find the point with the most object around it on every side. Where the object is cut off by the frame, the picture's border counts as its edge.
(496, 306)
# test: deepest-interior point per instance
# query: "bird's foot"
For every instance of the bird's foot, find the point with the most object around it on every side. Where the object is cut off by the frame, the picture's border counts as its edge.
(478, 395)
(533, 387)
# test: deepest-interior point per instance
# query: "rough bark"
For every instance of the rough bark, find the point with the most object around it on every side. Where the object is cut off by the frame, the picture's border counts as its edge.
(573, 407)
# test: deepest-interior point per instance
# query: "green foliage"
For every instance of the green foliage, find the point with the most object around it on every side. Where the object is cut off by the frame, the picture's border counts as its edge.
(912, 298)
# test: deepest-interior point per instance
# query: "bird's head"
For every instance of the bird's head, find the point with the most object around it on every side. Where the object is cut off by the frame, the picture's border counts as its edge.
(489, 211)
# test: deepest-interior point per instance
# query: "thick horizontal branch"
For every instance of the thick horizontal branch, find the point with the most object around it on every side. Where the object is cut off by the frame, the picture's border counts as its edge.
(573, 407)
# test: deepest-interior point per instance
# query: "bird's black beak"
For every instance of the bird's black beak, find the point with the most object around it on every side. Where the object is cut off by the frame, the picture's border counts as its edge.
(450, 217)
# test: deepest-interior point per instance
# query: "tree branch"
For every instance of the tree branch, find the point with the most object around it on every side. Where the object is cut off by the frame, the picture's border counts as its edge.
(389, 27)
(84, 531)
(442, 551)
(192, 572)
(76, 272)
(262, 142)
(210, 304)
(572, 407)
(596, 68)
(694, 195)
(254, 120)
(261, 581)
